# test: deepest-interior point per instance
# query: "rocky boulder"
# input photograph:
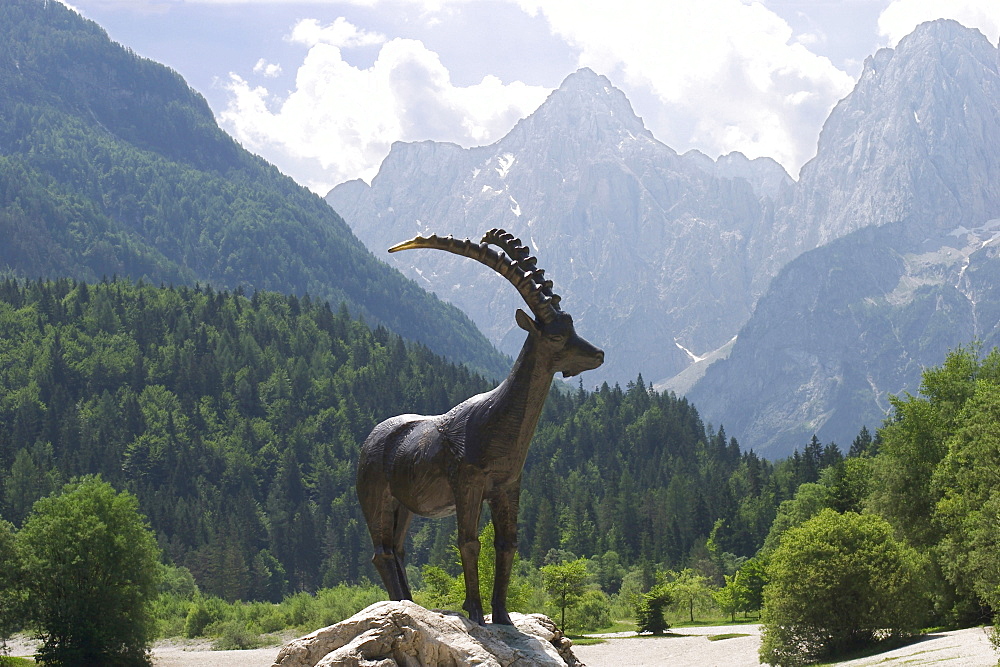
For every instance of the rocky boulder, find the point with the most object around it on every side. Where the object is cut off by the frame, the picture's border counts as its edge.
(404, 634)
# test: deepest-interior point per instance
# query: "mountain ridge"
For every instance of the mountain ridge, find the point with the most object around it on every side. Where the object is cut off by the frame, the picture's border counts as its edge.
(915, 148)
(113, 165)
(602, 204)
(904, 188)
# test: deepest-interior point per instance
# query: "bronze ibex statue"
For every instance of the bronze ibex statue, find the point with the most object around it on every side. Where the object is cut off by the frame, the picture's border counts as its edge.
(451, 463)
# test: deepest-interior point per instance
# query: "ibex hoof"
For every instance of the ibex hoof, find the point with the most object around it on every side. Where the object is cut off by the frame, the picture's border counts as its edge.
(501, 618)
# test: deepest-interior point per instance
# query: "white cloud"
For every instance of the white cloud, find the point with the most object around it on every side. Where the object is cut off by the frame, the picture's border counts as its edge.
(340, 33)
(340, 121)
(269, 70)
(902, 16)
(716, 75)
(729, 73)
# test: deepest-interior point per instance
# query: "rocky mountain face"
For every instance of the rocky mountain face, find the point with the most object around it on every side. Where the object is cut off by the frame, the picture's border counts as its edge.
(649, 249)
(842, 286)
(908, 175)
(916, 140)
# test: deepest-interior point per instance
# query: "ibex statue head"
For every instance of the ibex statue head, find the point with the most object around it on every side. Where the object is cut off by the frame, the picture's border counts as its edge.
(450, 463)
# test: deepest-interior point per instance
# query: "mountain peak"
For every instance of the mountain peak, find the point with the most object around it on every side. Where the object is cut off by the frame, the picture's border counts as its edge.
(921, 117)
(940, 32)
(931, 51)
(586, 81)
(587, 105)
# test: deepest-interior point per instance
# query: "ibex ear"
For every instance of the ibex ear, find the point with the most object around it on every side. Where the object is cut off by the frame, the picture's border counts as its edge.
(525, 322)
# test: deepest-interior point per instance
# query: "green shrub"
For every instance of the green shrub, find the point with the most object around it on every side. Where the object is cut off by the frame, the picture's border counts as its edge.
(837, 583)
(235, 636)
(197, 620)
(592, 612)
(91, 576)
(649, 615)
(171, 613)
(328, 605)
(271, 620)
(440, 589)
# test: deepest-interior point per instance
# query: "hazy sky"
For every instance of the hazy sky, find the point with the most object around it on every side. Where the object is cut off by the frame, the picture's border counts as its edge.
(322, 88)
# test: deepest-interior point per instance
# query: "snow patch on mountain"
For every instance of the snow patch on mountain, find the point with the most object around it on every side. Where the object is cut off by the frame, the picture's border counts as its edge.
(506, 161)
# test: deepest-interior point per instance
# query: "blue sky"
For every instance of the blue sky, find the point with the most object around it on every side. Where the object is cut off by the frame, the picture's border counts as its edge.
(323, 88)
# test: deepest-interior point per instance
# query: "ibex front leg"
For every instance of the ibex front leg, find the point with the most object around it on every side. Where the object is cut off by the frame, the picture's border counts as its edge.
(503, 506)
(468, 507)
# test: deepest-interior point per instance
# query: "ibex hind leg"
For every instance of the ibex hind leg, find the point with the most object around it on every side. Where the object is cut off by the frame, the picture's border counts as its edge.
(468, 506)
(389, 563)
(382, 514)
(401, 524)
(504, 508)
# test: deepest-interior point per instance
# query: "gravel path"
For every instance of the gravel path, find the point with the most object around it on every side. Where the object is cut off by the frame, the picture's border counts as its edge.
(961, 648)
(687, 647)
(683, 648)
(179, 655)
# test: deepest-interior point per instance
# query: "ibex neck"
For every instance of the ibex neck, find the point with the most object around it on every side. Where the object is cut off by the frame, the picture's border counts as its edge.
(521, 396)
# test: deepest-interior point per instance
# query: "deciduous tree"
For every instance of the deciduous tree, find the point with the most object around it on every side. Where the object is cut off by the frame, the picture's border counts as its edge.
(565, 582)
(90, 566)
(690, 589)
(836, 583)
(968, 484)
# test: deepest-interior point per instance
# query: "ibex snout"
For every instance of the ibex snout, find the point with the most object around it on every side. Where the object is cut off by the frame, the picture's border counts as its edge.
(583, 356)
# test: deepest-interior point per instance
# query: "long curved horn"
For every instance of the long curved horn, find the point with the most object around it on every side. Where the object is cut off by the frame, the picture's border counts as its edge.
(518, 252)
(518, 271)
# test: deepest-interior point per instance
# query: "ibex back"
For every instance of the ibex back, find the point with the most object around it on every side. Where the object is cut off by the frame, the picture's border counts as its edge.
(451, 463)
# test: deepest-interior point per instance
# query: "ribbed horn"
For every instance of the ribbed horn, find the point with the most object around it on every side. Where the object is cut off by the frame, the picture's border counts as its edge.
(519, 272)
(522, 257)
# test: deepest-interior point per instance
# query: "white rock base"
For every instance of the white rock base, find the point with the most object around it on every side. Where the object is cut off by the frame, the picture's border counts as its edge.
(404, 634)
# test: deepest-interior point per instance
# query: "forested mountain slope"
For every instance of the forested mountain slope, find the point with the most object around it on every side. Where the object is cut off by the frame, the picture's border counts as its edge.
(237, 420)
(110, 164)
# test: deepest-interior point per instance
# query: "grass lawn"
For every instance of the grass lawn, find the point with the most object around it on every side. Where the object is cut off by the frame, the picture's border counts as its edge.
(581, 640)
(728, 635)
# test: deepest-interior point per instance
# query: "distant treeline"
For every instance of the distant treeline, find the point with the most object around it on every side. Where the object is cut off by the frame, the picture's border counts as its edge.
(236, 420)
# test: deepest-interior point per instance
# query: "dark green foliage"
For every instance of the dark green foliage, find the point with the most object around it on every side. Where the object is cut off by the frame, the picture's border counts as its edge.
(111, 165)
(592, 612)
(930, 472)
(197, 620)
(966, 483)
(649, 616)
(636, 472)
(235, 421)
(749, 582)
(90, 575)
(934, 480)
